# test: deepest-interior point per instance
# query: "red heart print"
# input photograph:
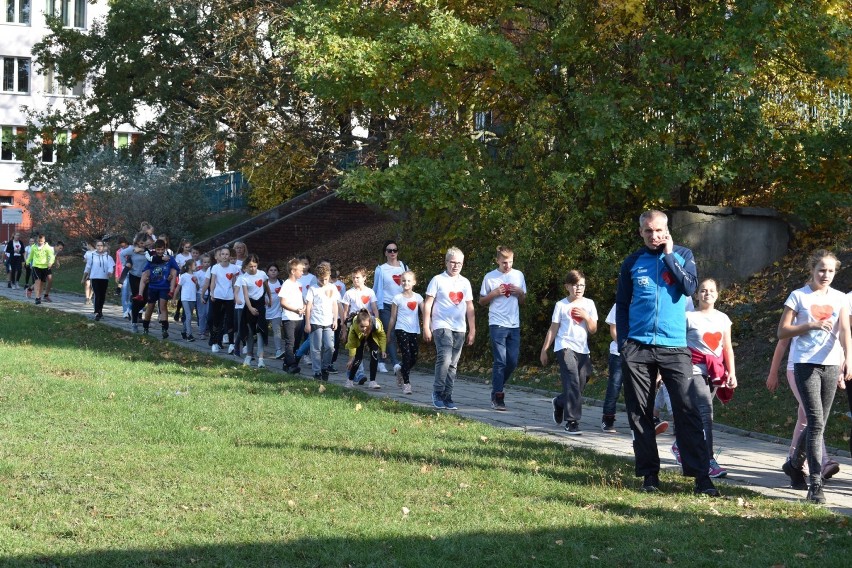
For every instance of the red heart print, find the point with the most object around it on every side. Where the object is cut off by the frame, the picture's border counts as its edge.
(194, 280)
(258, 282)
(412, 306)
(229, 275)
(300, 288)
(575, 315)
(712, 340)
(365, 300)
(456, 297)
(821, 313)
(340, 289)
(397, 278)
(668, 278)
(278, 289)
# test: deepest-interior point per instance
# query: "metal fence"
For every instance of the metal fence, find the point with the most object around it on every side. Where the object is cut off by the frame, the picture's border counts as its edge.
(226, 192)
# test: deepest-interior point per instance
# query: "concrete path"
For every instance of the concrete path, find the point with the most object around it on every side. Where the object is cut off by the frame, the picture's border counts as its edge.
(752, 460)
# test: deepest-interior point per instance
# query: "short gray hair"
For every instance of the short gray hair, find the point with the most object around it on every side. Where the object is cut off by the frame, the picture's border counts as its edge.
(652, 214)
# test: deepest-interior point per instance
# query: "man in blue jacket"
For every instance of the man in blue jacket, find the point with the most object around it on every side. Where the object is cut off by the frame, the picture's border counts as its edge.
(653, 286)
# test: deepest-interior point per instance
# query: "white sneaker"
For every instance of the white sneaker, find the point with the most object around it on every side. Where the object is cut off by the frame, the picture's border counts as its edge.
(214, 348)
(278, 354)
(373, 385)
(397, 370)
(406, 389)
(260, 363)
(246, 361)
(349, 384)
(225, 338)
(382, 367)
(231, 349)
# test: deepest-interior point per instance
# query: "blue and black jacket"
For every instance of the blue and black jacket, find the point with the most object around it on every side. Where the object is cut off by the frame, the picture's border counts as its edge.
(650, 303)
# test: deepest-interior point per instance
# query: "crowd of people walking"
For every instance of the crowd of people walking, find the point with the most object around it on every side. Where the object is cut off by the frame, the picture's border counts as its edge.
(667, 335)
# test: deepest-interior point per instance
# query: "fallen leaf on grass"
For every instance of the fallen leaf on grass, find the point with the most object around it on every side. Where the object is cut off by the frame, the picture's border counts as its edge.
(801, 555)
(559, 542)
(291, 503)
(322, 388)
(358, 407)
(483, 439)
(405, 511)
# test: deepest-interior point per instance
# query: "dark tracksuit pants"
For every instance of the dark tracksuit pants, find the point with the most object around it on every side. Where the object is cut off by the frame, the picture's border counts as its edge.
(640, 365)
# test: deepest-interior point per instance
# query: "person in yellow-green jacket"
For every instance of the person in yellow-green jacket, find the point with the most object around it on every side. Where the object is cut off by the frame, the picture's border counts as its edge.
(365, 332)
(41, 258)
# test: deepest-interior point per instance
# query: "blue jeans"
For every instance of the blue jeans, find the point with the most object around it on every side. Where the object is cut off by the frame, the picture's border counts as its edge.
(448, 348)
(126, 304)
(322, 347)
(384, 316)
(613, 387)
(187, 310)
(505, 347)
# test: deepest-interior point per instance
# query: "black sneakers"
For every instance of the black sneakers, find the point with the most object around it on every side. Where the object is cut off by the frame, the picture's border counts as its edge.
(797, 476)
(815, 494)
(651, 484)
(558, 412)
(704, 486)
(499, 402)
(573, 428)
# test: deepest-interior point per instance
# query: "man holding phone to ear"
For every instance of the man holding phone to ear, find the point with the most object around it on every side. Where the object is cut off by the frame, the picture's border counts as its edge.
(653, 286)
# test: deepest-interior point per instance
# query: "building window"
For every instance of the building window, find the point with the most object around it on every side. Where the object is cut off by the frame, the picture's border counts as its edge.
(6, 201)
(72, 13)
(18, 11)
(16, 75)
(54, 145)
(53, 85)
(10, 136)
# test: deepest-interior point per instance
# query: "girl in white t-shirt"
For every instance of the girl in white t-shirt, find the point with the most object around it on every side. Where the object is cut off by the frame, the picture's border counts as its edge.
(708, 336)
(405, 323)
(273, 312)
(187, 293)
(257, 298)
(202, 273)
(817, 318)
(574, 319)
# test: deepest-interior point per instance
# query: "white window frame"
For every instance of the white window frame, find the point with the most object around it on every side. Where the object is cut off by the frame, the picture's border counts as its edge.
(53, 85)
(15, 131)
(19, 7)
(67, 10)
(16, 75)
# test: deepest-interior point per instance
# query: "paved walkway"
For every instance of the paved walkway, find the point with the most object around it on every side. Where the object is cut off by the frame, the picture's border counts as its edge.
(752, 460)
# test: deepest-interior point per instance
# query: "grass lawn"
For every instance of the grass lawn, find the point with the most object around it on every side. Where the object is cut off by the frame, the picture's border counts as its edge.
(119, 450)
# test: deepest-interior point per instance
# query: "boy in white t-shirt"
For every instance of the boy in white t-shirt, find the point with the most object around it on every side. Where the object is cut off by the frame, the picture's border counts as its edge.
(446, 310)
(503, 290)
(321, 314)
(292, 314)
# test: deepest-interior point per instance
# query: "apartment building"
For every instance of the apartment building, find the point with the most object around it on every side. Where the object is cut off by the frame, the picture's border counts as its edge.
(23, 83)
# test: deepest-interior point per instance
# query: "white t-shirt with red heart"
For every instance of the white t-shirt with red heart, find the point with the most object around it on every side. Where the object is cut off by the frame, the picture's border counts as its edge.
(504, 310)
(451, 295)
(274, 311)
(573, 331)
(188, 287)
(817, 347)
(408, 312)
(359, 299)
(254, 283)
(386, 282)
(223, 287)
(704, 333)
(322, 301)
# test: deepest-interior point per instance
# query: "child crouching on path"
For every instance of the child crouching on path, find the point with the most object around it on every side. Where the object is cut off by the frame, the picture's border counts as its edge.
(365, 332)
(405, 323)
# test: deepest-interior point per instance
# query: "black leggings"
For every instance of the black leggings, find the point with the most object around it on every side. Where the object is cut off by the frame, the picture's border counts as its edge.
(374, 352)
(15, 271)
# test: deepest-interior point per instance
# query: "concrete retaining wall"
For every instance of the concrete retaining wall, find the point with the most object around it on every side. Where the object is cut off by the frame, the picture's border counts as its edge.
(730, 243)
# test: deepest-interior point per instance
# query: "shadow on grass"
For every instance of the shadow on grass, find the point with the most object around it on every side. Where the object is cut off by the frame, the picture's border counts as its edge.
(660, 537)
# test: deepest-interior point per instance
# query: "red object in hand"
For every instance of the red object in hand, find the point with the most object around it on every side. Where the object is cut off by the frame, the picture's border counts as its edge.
(171, 294)
(137, 298)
